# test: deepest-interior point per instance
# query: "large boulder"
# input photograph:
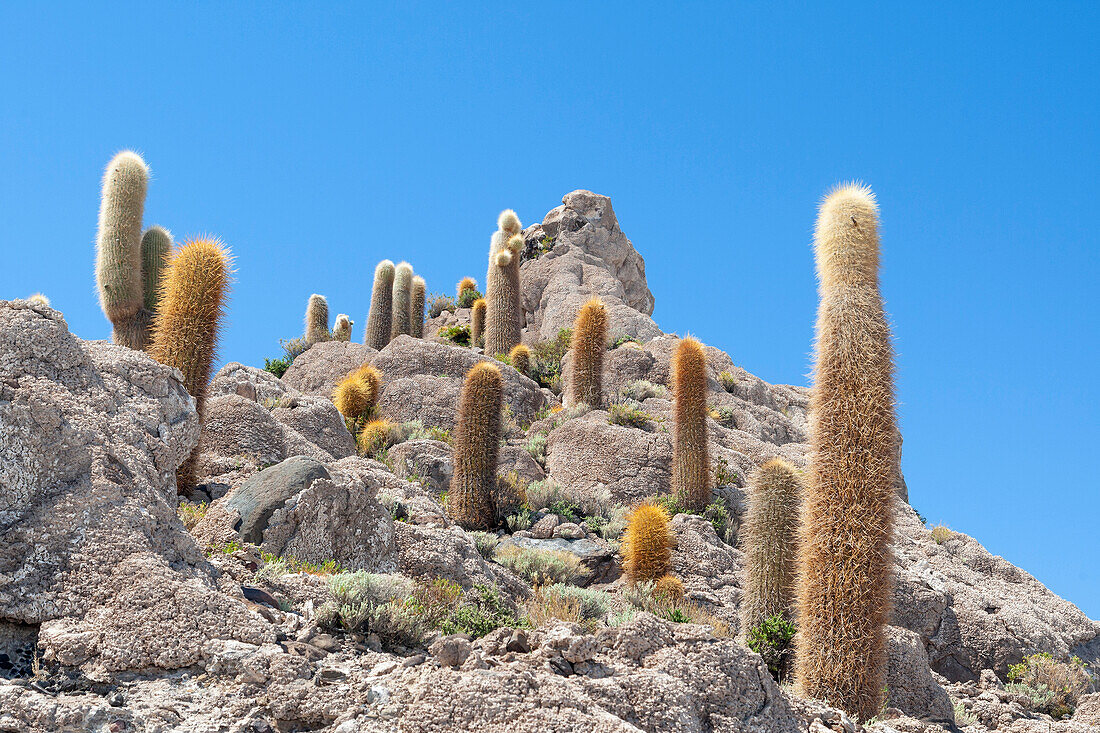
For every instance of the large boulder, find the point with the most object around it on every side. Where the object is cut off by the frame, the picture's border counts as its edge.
(94, 557)
(318, 369)
(590, 256)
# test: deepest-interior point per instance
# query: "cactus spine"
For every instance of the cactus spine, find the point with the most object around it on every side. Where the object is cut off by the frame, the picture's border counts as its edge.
(317, 320)
(690, 452)
(402, 300)
(769, 539)
(588, 346)
(502, 287)
(416, 307)
(118, 249)
(381, 304)
(845, 564)
(647, 544)
(341, 329)
(476, 443)
(520, 357)
(477, 321)
(156, 245)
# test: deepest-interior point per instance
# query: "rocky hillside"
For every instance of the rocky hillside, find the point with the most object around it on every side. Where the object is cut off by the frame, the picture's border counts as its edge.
(304, 586)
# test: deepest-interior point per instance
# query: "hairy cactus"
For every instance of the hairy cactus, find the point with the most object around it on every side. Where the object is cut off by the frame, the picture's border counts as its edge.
(466, 283)
(477, 321)
(402, 300)
(341, 329)
(372, 378)
(647, 543)
(769, 539)
(844, 588)
(317, 320)
(503, 313)
(381, 306)
(38, 299)
(156, 245)
(476, 444)
(508, 222)
(118, 268)
(416, 307)
(520, 356)
(588, 346)
(352, 397)
(376, 436)
(690, 454)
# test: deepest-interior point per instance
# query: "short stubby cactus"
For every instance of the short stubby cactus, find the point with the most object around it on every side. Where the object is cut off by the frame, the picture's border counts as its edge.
(317, 320)
(118, 267)
(357, 394)
(38, 299)
(588, 346)
(381, 306)
(402, 300)
(845, 564)
(647, 543)
(476, 441)
(477, 322)
(691, 478)
(504, 314)
(769, 539)
(341, 329)
(156, 246)
(416, 307)
(520, 357)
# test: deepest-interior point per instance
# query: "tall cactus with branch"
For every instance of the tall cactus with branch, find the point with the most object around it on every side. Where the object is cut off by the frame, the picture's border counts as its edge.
(379, 320)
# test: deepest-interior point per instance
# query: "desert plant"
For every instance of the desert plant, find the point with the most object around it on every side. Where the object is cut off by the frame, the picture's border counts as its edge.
(156, 246)
(647, 543)
(317, 320)
(845, 564)
(690, 456)
(38, 299)
(401, 300)
(486, 543)
(467, 293)
(465, 284)
(588, 345)
(458, 334)
(416, 307)
(539, 567)
(439, 303)
(536, 447)
(502, 294)
(477, 322)
(941, 533)
(772, 639)
(118, 269)
(640, 390)
(520, 358)
(546, 361)
(1050, 686)
(477, 438)
(769, 539)
(191, 513)
(379, 321)
(629, 415)
(341, 330)
(357, 394)
(376, 436)
(728, 380)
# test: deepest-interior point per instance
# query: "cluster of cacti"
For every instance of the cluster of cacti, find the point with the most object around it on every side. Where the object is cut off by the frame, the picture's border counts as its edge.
(769, 538)
(691, 477)
(341, 330)
(396, 304)
(844, 588)
(588, 345)
(504, 312)
(520, 358)
(476, 442)
(317, 320)
(416, 307)
(477, 322)
(647, 543)
(128, 264)
(381, 306)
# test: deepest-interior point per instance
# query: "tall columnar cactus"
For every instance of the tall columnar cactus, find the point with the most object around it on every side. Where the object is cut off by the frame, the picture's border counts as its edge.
(476, 444)
(477, 321)
(588, 346)
(416, 307)
(381, 306)
(769, 539)
(341, 329)
(402, 300)
(647, 544)
(156, 246)
(691, 478)
(194, 289)
(118, 268)
(520, 357)
(503, 313)
(845, 584)
(317, 320)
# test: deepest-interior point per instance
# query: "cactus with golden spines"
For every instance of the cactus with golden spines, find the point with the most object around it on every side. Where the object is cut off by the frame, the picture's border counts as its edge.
(691, 477)
(520, 358)
(402, 300)
(466, 283)
(356, 396)
(588, 346)
(504, 313)
(647, 543)
(476, 441)
(381, 306)
(845, 564)
(317, 320)
(341, 329)
(477, 322)
(416, 307)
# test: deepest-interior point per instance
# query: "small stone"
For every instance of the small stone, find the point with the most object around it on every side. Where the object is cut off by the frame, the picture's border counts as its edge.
(451, 651)
(325, 642)
(569, 531)
(414, 661)
(544, 528)
(518, 642)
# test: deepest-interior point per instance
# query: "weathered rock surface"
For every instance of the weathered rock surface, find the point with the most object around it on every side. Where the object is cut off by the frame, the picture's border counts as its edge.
(318, 369)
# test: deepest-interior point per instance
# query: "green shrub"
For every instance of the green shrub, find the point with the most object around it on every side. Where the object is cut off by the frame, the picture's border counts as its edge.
(486, 543)
(640, 390)
(724, 416)
(772, 641)
(539, 567)
(1051, 687)
(277, 367)
(536, 447)
(723, 476)
(293, 348)
(648, 595)
(439, 303)
(630, 415)
(546, 359)
(467, 297)
(624, 339)
(718, 514)
(519, 521)
(456, 334)
(541, 494)
(482, 610)
(190, 514)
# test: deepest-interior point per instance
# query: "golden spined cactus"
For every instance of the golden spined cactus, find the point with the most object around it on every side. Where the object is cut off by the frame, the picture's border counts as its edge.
(769, 539)
(118, 249)
(373, 379)
(317, 320)
(416, 307)
(520, 358)
(39, 299)
(402, 300)
(156, 246)
(375, 437)
(845, 584)
(647, 543)
(477, 322)
(476, 444)
(466, 283)
(341, 329)
(381, 306)
(503, 313)
(691, 478)
(354, 398)
(588, 346)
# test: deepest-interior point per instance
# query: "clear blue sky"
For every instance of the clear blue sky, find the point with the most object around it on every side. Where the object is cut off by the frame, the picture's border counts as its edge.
(317, 141)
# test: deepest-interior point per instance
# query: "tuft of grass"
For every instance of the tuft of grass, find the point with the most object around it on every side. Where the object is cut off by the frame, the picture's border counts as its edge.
(568, 603)
(640, 390)
(275, 566)
(539, 567)
(728, 380)
(191, 513)
(941, 534)
(963, 717)
(647, 596)
(629, 414)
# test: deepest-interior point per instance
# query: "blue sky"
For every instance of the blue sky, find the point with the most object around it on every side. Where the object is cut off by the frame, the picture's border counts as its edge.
(316, 142)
